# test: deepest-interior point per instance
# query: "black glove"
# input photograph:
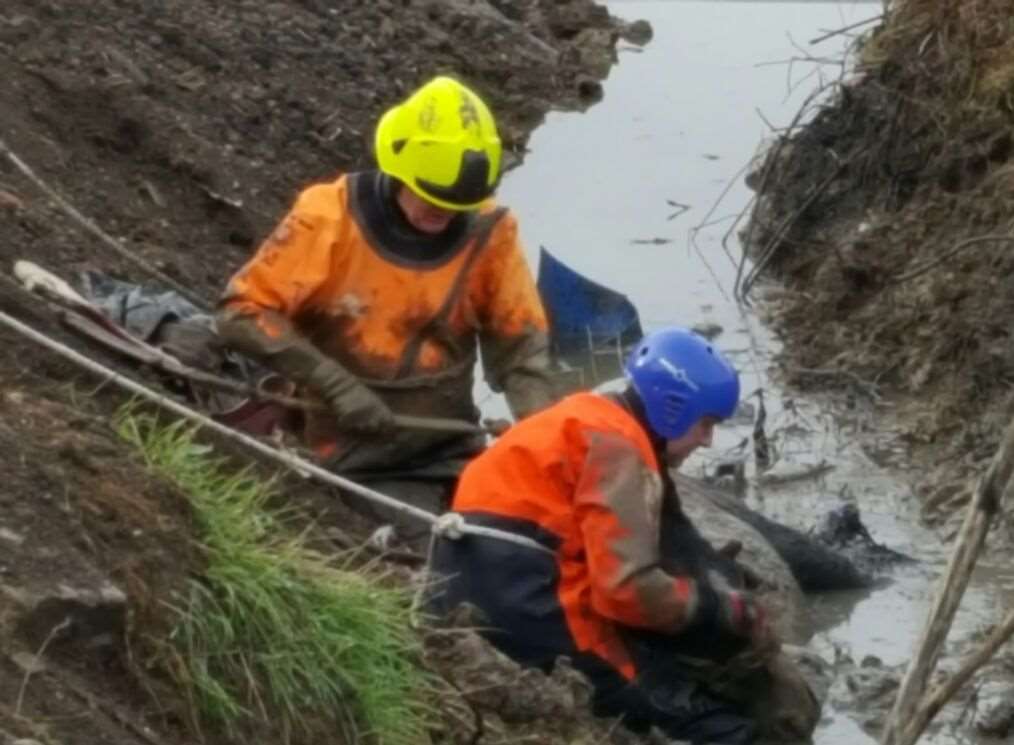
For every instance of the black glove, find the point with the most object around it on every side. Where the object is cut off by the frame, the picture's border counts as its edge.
(356, 407)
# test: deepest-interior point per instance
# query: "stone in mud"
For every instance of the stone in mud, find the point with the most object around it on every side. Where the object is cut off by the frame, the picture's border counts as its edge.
(708, 329)
(93, 617)
(637, 32)
(873, 686)
(499, 693)
(994, 715)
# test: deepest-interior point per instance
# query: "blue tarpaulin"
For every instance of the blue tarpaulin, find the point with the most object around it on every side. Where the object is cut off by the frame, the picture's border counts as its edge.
(584, 315)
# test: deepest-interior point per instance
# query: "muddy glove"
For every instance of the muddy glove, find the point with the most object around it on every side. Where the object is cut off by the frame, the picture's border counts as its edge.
(742, 615)
(356, 407)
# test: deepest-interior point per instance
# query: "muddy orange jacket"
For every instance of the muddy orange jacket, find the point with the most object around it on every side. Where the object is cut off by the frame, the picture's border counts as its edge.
(332, 274)
(585, 472)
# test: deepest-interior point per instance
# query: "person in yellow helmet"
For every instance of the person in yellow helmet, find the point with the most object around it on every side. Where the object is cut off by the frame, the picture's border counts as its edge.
(378, 289)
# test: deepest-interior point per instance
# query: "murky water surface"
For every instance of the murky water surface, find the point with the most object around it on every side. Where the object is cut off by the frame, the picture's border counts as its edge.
(679, 121)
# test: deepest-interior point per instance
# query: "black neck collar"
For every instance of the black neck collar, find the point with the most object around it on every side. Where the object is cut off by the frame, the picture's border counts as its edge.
(373, 202)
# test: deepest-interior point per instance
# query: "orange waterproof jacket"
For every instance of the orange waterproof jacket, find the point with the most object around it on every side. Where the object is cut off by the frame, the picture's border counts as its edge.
(585, 471)
(332, 274)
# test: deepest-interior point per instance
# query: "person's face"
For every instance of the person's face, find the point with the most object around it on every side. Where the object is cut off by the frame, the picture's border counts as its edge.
(421, 215)
(699, 435)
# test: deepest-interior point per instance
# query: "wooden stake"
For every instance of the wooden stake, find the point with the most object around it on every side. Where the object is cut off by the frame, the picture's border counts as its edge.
(901, 727)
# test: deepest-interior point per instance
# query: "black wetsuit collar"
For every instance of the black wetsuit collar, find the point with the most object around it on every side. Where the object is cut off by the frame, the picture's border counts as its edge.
(374, 206)
(630, 401)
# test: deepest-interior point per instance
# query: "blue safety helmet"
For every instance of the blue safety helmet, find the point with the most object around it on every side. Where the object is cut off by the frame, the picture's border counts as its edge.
(680, 378)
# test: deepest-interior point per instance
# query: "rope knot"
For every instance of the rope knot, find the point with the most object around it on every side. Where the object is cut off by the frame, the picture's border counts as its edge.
(450, 525)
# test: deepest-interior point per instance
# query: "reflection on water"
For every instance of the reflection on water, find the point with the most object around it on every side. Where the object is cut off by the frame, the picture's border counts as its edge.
(679, 121)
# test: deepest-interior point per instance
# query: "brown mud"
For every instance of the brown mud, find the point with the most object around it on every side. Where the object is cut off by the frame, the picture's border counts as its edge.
(887, 220)
(183, 130)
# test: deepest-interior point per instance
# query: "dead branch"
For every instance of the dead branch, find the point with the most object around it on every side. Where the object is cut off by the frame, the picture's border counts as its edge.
(96, 231)
(846, 29)
(871, 390)
(678, 209)
(766, 174)
(902, 727)
(958, 248)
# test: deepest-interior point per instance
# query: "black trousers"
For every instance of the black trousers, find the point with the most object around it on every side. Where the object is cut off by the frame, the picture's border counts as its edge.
(515, 589)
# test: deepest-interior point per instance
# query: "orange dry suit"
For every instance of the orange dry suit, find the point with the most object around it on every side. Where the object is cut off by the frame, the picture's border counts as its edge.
(404, 312)
(584, 480)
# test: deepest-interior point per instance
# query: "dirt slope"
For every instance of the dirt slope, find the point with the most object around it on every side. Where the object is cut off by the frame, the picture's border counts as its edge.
(183, 130)
(888, 216)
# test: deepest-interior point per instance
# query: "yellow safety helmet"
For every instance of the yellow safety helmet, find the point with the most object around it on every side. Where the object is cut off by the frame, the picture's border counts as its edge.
(442, 144)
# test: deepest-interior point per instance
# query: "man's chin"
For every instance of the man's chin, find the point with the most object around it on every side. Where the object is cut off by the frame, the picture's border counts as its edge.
(432, 228)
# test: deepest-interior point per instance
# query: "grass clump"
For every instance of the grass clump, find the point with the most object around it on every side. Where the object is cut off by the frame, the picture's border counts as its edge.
(273, 638)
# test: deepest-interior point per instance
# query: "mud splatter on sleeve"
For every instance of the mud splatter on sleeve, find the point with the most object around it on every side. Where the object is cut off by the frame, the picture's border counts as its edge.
(618, 505)
(254, 314)
(513, 334)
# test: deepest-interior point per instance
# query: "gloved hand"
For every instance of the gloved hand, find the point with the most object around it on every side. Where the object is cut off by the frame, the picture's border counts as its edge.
(742, 615)
(356, 407)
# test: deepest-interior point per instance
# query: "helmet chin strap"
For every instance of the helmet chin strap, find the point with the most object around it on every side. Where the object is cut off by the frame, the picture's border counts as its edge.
(633, 402)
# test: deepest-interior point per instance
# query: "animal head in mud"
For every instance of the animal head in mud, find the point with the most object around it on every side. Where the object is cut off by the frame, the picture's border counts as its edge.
(685, 552)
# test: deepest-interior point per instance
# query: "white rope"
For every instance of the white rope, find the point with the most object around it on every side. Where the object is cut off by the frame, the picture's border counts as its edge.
(450, 525)
(454, 526)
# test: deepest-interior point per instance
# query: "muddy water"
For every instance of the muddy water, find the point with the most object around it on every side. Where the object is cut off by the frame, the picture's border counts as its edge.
(678, 122)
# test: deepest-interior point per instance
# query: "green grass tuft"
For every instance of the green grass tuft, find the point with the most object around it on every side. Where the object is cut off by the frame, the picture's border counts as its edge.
(274, 636)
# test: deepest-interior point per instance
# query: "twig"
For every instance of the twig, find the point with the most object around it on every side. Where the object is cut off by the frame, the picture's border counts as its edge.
(772, 246)
(769, 166)
(865, 386)
(764, 119)
(731, 231)
(95, 230)
(678, 209)
(809, 472)
(846, 29)
(35, 660)
(933, 263)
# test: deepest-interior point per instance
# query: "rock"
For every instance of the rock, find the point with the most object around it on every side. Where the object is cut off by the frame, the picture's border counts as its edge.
(995, 709)
(872, 685)
(10, 537)
(817, 671)
(94, 617)
(871, 661)
(708, 329)
(637, 32)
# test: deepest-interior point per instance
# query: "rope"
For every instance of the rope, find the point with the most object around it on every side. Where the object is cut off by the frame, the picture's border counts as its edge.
(96, 231)
(451, 525)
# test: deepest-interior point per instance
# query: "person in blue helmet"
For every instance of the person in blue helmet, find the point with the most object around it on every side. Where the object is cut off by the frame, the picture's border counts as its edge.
(588, 481)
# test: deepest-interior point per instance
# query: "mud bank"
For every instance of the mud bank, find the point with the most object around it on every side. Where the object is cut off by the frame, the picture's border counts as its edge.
(183, 130)
(886, 218)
